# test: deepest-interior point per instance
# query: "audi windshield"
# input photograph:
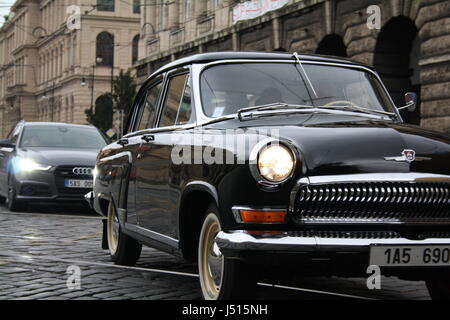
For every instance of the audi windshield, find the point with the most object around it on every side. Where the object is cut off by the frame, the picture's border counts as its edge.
(62, 137)
(226, 88)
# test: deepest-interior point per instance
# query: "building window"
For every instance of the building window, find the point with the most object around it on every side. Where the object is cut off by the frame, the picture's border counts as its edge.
(162, 14)
(105, 49)
(187, 9)
(105, 5)
(136, 6)
(135, 49)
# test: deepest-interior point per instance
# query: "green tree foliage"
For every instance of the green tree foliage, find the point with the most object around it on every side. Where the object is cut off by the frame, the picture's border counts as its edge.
(124, 90)
(102, 117)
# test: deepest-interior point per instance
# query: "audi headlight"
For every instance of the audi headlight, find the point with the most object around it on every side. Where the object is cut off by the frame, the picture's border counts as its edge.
(28, 165)
(275, 162)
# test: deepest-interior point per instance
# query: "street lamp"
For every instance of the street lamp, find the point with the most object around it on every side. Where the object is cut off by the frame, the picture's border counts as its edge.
(98, 60)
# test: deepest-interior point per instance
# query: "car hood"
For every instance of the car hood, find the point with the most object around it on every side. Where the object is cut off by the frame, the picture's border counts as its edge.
(345, 145)
(60, 156)
(364, 148)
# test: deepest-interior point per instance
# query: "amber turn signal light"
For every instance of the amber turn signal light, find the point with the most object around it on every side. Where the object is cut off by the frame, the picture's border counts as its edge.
(256, 216)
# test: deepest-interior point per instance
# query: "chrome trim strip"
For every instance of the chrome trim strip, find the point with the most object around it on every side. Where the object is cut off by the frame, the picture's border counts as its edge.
(160, 130)
(118, 156)
(376, 177)
(151, 234)
(240, 240)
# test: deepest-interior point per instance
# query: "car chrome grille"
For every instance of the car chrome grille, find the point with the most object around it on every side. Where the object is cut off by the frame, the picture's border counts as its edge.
(374, 202)
(66, 172)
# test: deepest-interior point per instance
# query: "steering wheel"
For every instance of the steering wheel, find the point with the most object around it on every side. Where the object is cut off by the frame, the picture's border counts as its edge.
(340, 103)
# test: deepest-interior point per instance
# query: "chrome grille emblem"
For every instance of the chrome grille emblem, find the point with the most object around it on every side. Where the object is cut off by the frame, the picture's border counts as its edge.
(408, 155)
(82, 171)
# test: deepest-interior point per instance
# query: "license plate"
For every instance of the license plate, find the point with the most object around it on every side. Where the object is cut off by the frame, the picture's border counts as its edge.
(69, 183)
(419, 255)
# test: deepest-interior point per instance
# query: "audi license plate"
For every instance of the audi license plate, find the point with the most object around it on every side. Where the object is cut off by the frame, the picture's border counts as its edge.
(401, 256)
(70, 183)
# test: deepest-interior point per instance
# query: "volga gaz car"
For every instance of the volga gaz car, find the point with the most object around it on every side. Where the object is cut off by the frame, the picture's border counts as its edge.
(47, 162)
(248, 162)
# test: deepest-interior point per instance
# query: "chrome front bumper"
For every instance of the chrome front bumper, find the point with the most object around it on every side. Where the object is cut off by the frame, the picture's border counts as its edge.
(234, 242)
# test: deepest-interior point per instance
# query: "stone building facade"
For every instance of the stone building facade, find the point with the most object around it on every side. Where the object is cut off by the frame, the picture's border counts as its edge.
(57, 57)
(410, 50)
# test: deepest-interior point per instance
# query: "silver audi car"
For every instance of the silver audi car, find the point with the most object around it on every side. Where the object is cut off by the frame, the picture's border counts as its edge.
(47, 162)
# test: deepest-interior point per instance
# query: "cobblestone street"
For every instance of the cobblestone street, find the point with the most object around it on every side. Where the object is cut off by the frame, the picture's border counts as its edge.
(36, 248)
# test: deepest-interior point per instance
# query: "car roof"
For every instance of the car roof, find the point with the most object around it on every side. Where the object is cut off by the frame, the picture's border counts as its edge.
(47, 124)
(230, 55)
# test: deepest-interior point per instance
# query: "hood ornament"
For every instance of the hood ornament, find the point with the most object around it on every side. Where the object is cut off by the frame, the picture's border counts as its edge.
(408, 155)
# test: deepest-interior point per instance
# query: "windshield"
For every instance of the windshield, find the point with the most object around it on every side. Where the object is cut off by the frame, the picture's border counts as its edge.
(229, 87)
(62, 137)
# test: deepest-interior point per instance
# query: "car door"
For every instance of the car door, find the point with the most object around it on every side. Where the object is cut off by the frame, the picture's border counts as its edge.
(155, 208)
(6, 154)
(144, 118)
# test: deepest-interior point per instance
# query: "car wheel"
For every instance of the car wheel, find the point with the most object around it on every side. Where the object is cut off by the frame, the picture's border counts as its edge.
(123, 249)
(11, 200)
(220, 278)
(439, 289)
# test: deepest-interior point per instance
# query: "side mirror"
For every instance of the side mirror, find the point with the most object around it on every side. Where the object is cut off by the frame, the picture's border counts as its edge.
(7, 144)
(411, 102)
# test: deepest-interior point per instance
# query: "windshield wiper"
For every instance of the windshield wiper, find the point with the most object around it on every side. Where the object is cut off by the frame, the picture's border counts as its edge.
(295, 108)
(272, 106)
(360, 109)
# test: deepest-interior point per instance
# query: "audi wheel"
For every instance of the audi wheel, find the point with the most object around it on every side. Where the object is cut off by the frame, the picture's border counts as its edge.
(12, 202)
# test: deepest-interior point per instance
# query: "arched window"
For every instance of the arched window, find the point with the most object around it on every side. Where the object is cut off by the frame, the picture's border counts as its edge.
(135, 49)
(396, 59)
(105, 5)
(332, 45)
(105, 49)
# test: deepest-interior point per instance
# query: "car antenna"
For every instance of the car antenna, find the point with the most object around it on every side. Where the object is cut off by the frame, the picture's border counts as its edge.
(295, 54)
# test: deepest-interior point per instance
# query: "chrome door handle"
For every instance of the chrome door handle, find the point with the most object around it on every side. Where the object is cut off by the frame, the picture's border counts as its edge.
(148, 137)
(123, 142)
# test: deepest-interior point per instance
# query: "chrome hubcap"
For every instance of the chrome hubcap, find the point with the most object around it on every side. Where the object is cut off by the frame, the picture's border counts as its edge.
(113, 230)
(210, 259)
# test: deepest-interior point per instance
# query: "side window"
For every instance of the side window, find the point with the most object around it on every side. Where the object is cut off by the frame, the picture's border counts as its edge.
(185, 110)
(173, 100)
(149, 105)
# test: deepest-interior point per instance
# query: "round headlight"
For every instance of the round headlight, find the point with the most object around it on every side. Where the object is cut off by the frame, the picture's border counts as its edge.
(275, 163)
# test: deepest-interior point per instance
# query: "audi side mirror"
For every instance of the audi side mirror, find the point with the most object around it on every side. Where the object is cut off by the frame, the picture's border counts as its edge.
(411, 102)
(7, 144)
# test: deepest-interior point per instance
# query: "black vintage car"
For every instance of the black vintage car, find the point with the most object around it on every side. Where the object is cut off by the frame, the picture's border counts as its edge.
(248, 162)
(47, 162)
